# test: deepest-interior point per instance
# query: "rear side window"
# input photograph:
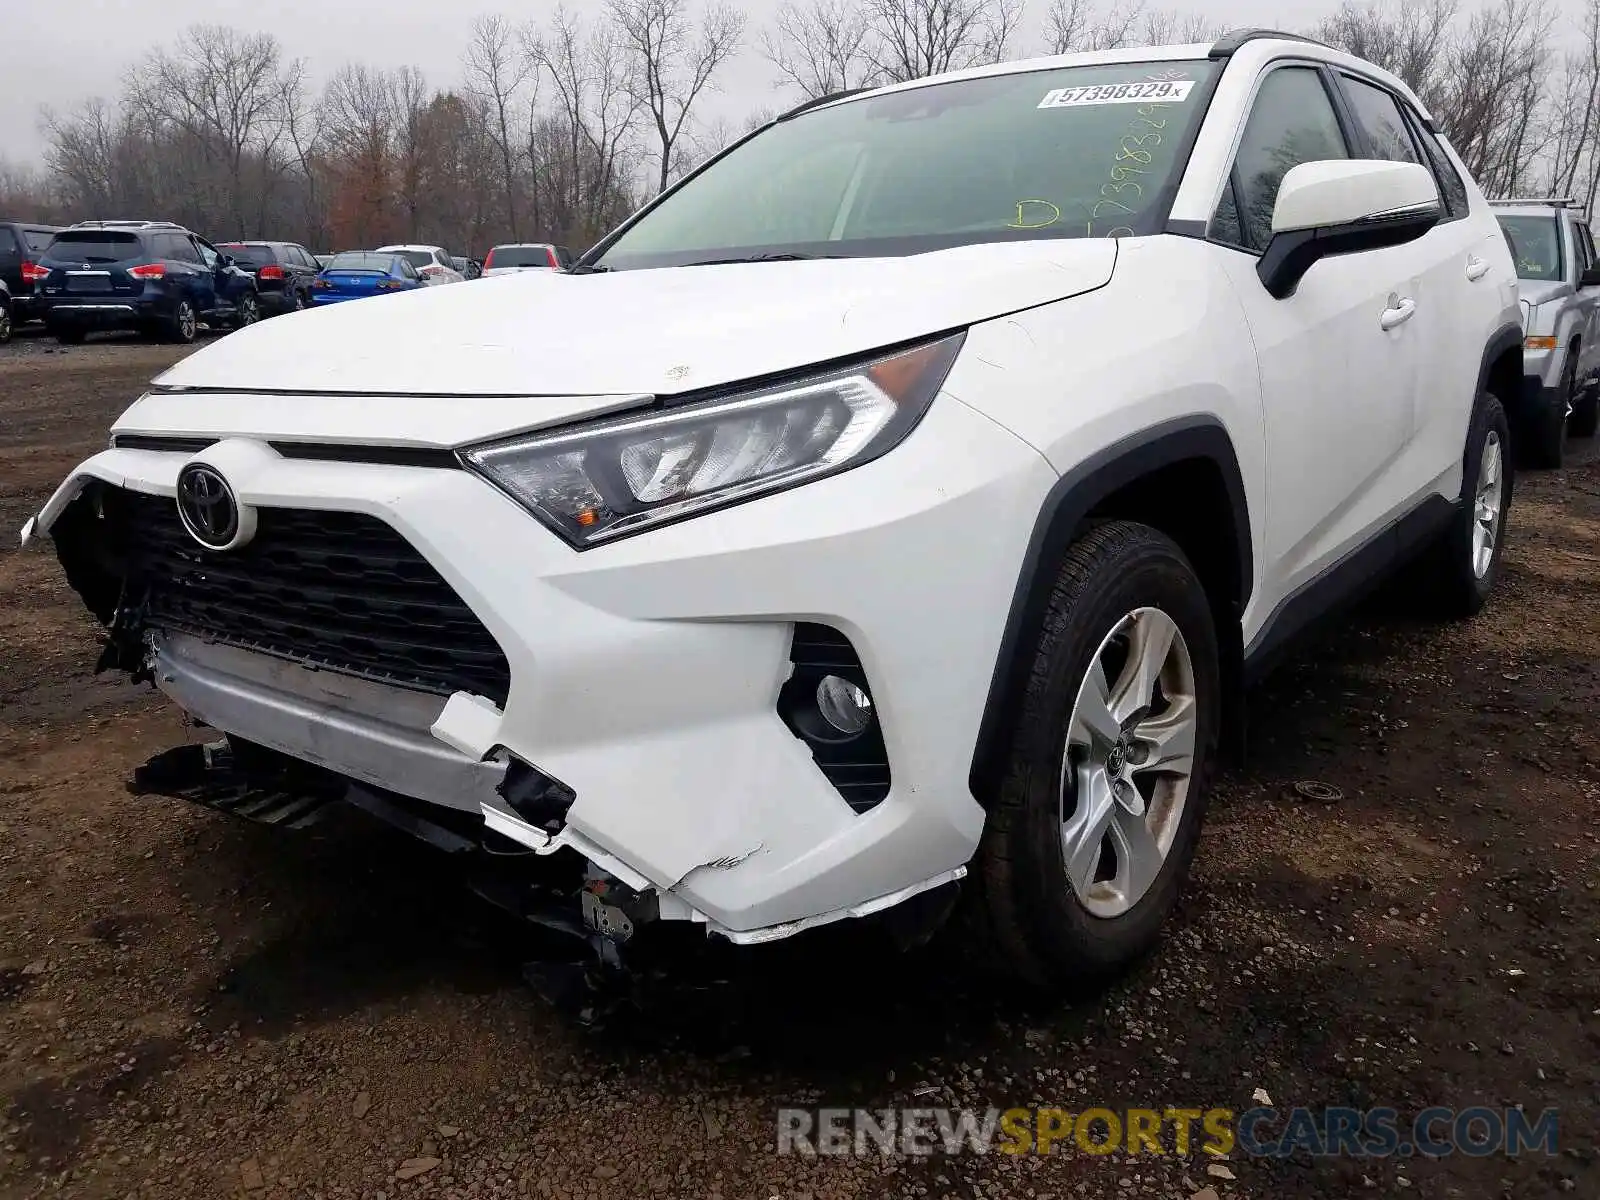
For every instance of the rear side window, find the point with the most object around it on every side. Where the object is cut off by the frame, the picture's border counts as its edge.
(36, 240)
(1581, 245)
(1379, 117)
(177, 248)
(8, 243)
(94, 246)
(1291, 122)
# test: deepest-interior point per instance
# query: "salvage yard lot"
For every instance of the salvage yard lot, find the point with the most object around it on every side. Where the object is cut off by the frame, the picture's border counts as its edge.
(191, 1006)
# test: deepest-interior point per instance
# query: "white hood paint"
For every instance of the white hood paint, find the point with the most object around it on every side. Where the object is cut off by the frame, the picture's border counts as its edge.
(657, 331)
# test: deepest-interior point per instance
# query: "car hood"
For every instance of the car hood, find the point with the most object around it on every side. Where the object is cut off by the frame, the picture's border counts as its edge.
(663, 331)
(1537, 292)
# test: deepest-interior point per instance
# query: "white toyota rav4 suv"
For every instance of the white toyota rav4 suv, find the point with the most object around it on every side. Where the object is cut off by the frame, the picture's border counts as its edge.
(886, 518)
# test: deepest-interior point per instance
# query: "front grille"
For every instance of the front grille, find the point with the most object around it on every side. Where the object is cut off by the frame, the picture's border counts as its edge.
(335, 590)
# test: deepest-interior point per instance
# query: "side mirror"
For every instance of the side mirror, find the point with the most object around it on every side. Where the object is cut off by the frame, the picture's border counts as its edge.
(1590, 278)
(1344, 206)
(225, 260)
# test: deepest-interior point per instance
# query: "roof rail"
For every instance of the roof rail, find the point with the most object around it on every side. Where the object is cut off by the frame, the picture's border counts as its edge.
(126, 225)
(1230, 42)
(818, 102)
(1552, 201)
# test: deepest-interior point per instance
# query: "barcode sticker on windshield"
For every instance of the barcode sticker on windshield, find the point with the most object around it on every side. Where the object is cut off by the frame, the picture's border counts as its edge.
(1165, 92)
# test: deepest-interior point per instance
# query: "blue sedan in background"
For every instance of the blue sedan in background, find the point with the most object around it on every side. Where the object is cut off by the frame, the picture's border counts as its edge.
(358, 273)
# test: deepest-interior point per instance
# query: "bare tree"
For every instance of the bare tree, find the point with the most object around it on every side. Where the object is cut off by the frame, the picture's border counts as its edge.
(498, 74)
(1072, 26)
(673, 63)
(819, 48)
(1573, 155)
(223, 89)
(596, 118)
(910, 39)
(1412, 39)
(81, 151)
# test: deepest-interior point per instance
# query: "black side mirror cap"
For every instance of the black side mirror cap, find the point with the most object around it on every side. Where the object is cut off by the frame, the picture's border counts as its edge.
(1290, 255)
(1590, 278)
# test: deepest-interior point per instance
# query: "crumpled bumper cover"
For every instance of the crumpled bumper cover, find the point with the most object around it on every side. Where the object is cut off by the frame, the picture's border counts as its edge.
(645, 674)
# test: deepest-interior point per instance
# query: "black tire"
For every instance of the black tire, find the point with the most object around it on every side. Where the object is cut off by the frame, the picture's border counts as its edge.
(1585, 418)
(246, 312)
(1454, 585)
(5, 324)
(1022, 907)
(1547, 431)
(301, 301)
(183, 325)
(69, 335)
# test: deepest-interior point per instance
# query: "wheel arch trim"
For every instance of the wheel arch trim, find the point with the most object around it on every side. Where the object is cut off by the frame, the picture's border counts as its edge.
(1062, 516)
(1507, 338)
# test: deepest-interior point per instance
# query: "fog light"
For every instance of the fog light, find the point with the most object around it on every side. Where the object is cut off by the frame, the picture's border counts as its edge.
(843, 705)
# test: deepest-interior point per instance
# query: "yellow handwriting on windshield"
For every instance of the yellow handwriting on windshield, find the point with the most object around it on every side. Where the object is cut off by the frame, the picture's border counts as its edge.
(1034, 209)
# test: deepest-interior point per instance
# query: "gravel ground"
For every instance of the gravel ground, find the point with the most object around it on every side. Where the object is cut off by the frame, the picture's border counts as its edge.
(194, 1007)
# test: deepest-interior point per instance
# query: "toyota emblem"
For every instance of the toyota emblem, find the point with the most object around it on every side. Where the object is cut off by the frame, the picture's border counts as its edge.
(207, 507)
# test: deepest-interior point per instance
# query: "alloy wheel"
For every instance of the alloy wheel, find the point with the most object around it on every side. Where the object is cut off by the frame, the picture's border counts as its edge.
(1487, 499)
(5, 325)
(186, 321)
(1129, 758)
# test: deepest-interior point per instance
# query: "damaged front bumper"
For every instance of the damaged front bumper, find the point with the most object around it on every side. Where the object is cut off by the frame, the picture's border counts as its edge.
(642, 727)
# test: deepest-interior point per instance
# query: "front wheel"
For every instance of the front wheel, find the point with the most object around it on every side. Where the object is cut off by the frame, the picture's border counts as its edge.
(1090, 838)
(1548, 429)
(5, 324)
(1462, 566)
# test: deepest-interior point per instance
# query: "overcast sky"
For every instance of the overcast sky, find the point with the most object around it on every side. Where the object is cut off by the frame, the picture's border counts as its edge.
(59, 52)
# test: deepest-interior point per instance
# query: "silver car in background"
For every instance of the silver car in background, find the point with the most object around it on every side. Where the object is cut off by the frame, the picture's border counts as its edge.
(1559, 281)
(432, 262)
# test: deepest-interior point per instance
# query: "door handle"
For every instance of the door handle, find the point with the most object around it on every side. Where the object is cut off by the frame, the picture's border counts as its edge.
(1398, 313)
(1477, 268)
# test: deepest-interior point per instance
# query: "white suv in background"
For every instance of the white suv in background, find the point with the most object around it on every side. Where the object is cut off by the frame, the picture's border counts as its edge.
(888, 517)
(433, 263)
(526, 256)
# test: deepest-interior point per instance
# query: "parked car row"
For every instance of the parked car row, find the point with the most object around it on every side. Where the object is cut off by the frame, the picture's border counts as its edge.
(155, 277)
(165, 281)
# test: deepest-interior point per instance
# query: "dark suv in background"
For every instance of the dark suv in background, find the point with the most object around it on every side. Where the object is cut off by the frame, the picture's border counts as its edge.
(21, 244)
(152, 276)
(284, 272)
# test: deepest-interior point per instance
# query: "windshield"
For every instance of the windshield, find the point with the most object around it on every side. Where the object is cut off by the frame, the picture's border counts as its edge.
(95, 246)
(249, 256)
(362, 261)
(1073, 152)
(1535, 246)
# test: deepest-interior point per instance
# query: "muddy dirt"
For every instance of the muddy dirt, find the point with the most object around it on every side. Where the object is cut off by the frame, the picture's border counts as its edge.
(194, 1007)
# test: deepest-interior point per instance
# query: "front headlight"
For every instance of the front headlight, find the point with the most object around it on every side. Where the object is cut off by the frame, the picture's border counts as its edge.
(619, 476)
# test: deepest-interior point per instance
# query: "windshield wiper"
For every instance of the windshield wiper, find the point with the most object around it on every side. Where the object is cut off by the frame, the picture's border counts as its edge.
(751, 258)
(586, 269)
